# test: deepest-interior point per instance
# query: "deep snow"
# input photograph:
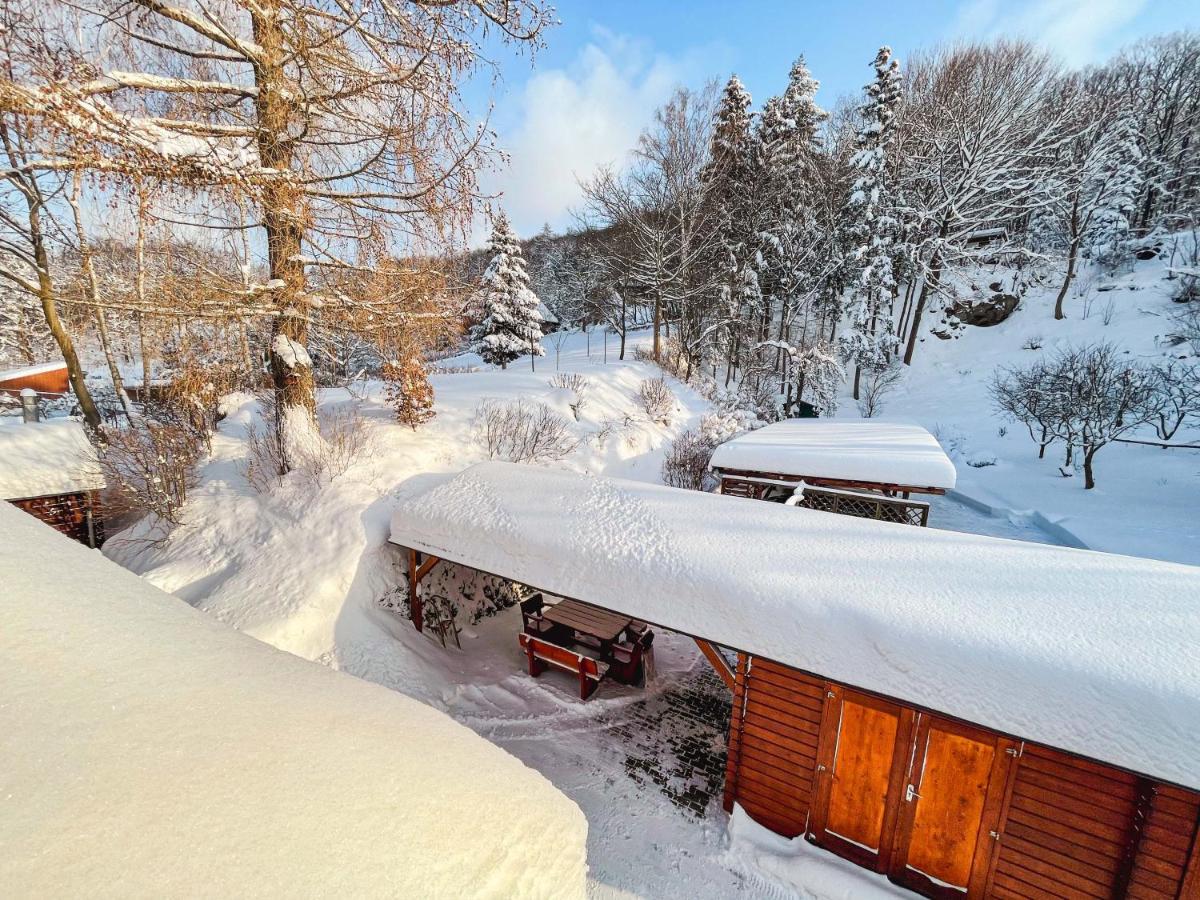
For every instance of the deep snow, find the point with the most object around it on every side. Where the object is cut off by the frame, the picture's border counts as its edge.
(47, 457)
(150, 751)
(303, 570)
(1040, 642)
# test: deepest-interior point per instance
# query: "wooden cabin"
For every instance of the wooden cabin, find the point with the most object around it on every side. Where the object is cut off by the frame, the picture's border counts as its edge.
(48, 379)
(49, 469)
(967, 716)
(856, 467)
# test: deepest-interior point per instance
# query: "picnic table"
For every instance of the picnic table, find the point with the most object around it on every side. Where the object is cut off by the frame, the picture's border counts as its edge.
(588, 621)
(554, 632)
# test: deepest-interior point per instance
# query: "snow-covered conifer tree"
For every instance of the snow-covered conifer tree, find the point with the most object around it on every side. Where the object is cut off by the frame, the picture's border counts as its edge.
(872, 227)
(789, 240)
(729, 182)
(511, 325)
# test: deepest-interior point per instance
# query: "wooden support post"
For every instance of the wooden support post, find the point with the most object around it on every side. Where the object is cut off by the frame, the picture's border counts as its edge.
(414, 597)
(717, 660)
(735, 736)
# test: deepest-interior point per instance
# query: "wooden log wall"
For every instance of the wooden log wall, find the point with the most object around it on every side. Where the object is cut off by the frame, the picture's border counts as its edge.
(69, 514)
(1070, 827)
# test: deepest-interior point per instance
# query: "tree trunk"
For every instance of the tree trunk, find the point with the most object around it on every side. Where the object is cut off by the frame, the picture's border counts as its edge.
(89, 273)
(282, 215)
(1089, 478)
(87, 406)
(1072, 254)
(657, 327)
(930, 283)
(857, 380)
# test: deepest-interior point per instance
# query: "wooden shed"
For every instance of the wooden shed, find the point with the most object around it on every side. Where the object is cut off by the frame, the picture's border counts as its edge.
(858, 467)
(50, 470)
(47, 379)
(968, 716)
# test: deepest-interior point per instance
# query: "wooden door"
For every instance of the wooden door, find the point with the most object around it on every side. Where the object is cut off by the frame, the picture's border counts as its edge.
(949, 808)
(862, 759)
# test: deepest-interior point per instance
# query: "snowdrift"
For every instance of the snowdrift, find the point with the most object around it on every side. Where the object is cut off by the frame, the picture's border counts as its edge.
(152, 751)
(1087, 652)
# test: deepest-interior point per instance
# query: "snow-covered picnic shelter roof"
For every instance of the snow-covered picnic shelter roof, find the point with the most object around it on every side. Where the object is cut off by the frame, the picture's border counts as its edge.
(151, 751)
(49, 457)
(850, 450)
(1088, 652)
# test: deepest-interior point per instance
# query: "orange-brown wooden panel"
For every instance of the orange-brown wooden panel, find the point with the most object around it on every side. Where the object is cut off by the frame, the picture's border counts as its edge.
(774, 734)
(955, 790)
(1055, 842)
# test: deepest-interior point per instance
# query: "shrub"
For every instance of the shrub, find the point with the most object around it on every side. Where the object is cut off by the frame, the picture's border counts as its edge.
(409, 391)
(657, 400)
(577, 385)
(316, 452)
(150, 464)
(877, 382)
(522, 431)
(686, 464)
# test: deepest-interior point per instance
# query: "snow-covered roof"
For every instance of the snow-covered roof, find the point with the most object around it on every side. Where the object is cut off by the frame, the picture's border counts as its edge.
(850, 450)
(27, 371)
(1088, 652)
(49, 457)
(151, 751)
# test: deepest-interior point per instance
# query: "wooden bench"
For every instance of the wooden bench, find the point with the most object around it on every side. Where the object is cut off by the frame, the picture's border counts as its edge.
(543, 653)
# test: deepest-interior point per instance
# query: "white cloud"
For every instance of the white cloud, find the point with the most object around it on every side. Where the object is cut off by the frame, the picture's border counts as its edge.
(1078, 31)
(571, 120)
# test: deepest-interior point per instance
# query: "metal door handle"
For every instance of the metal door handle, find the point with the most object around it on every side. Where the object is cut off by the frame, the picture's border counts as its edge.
(910, 794)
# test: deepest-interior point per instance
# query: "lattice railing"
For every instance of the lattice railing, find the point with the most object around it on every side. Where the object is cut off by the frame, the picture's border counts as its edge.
(867, 506)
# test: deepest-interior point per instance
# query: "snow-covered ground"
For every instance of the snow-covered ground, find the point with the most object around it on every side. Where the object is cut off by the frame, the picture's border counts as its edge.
(304, 570)
(1144, 502)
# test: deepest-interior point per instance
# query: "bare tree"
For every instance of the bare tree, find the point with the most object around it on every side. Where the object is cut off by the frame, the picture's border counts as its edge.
(982, 131)
(340, 125)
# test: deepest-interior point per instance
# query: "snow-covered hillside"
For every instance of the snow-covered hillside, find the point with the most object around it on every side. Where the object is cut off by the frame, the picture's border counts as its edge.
(1145, 500)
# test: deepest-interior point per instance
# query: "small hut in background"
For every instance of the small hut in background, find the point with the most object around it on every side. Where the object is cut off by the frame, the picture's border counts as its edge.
(48, 379)
(50, 470)
(860, 468)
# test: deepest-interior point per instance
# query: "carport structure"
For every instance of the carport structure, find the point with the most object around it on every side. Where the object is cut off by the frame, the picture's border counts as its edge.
(965, 714)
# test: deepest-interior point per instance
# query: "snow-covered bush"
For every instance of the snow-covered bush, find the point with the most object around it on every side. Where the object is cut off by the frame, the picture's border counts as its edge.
(877, 382)
(657, 400)
(149, 465)
(522, 431)
(409, 391)
(686, 463)
(822, 374)
(577, 385)
(326, 450)
(758, 393)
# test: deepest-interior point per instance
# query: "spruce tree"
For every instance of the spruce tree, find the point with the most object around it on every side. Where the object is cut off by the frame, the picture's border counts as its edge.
(873, 227)
(789, 238)
(729, 185)
(511, 325)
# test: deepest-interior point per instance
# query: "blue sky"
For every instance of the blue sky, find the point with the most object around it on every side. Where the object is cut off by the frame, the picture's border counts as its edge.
(611, 62)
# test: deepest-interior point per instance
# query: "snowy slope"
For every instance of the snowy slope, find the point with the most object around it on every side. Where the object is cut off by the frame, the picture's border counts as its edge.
(150, 751)
(303, 570)
(1146, 498)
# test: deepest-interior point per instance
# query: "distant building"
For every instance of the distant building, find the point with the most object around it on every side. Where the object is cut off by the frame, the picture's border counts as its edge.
(50, 470)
